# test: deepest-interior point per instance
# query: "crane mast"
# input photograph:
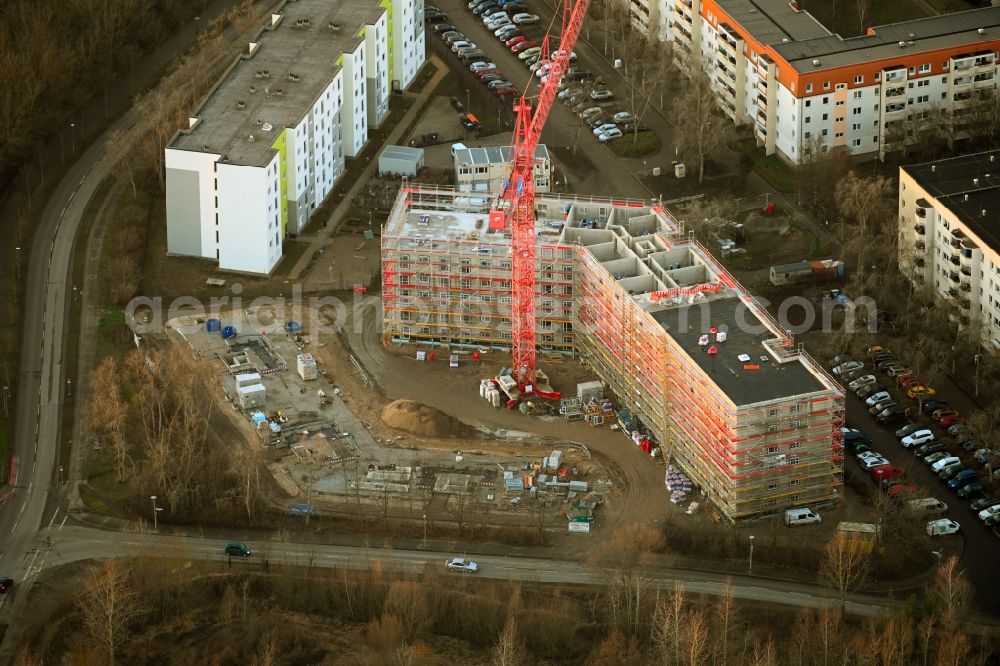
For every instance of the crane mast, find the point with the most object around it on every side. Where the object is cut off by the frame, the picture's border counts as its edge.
(515, 210)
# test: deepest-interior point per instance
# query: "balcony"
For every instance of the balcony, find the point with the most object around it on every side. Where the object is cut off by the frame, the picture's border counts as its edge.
(894, 75)
(895, 108)
(953, 293)
(920, 245)
(762, 106)
(895, 91)
(920, 229)
(954, 261)
(964, 304)
(919, 262)
(953, 276)
(965, 287)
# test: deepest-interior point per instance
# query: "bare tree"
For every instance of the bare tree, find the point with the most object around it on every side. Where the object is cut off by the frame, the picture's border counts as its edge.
(407, 601)
(725, 617)
(699, 124)
(952, 591)
(109, 606)
(846, 564)
(669, 622)
(622, 561)
(246, 466)
(866, 201)
(509, 650)
(108, 413)
(862, 6)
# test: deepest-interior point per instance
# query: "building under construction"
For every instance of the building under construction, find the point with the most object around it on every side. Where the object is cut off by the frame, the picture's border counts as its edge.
(695, 361)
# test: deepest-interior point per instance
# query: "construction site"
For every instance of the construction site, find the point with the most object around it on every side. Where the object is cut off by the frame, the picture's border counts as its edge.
(693, 362)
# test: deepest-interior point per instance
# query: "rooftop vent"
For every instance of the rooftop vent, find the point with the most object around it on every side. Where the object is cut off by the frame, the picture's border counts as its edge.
(991, 158)
(292, 76)
(302, 23)
(333, 26)
(902, 45)
(816, 62)
(911, 36)
(250, 139)
(241, 104)
(933, 168)
(279, 91)
(975, 181)
(259, 121)
(982, 213)
(981, 31)
(267, 127)
(253, 89)
(965, 197)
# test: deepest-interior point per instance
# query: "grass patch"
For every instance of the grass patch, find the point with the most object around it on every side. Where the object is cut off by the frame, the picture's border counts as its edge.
(642, 144)
(770, 167)
(816, 246)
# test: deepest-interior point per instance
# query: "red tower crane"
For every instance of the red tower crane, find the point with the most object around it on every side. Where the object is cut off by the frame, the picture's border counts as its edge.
(515, 209)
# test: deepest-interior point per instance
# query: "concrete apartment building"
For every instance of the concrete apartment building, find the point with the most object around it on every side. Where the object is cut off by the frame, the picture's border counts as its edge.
(707, 372)
(801, 87)
(268, 144)
(949, 235)
(485, 169)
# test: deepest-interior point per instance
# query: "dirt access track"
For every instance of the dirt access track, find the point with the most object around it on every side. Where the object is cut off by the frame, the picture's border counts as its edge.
(639, 494)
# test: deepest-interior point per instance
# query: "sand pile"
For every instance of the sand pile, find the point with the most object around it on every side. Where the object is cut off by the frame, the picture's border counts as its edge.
(421, 420)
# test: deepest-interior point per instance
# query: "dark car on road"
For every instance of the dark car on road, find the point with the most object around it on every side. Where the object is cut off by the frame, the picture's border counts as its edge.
(237, 549)
(6, 584)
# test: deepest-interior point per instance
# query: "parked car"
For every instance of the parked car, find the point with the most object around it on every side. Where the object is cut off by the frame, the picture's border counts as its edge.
(499, 83)
(949, 471)
(885, 472)
(942, 527)
(897, 489)
(878, 396)
(462, 44)
(567, 93)
(591, 111)
(929, 449)
(840, 359)
(600, 129)
(970, 445)
(515, 40)
(869, 463)
(623, 117)
(909, 429)
(601, 95)
(461, 565)
(943, 462)
(610, 135)
(933, 458)
(929, 406)
(974, 489)
(485, 8)
(506, 32)
(533, 51)
(891, 416)
(918, 438)
(920, 391)
(481, 66)
(989, 511)
(863, 380)
(963, 478)
(491, 78)
(984, 503)
(469, 121)
(942, 412)
(6, 584)
(237, 549)
(949, 421)
(854, 436)
(444, 27)
(435, 17)
(634, 127)
(505, 91)
(880, 407)
(849, 366)
(525, 19)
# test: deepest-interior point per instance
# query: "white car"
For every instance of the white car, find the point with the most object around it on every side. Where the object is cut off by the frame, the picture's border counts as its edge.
(850, 366)
(877, 397)
(601, 129)
(476, 66)
(944, 462)
(864, 455)
(868, 463)
(989, 511)
(462, 44)
(864, 380)
(623, 117)
(505, 32)
(586, 114)
(497, 23)
(918, 438)
(601, 95)
(569, 92)
(610, 135)
(461, 564)
(525, 19)
(942, 526)
(572, 56)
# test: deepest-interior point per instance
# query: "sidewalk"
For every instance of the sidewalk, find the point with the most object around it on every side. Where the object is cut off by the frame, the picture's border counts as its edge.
(323, 236)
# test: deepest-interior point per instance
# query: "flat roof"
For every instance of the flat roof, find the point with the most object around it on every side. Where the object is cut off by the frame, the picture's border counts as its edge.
(494, 154)
(927, 34)
(772, 21)
(765, 380)
(402, 153)
(950, 180)
(231, 113)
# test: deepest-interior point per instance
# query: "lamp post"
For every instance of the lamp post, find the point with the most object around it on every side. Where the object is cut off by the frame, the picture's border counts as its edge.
(17, 261)
(72, 136)
(156, 510)
(750, 570)
(468, 107)
(424, 542)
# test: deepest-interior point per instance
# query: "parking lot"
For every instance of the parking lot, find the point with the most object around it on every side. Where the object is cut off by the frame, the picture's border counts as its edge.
(979, 544)
(564, 128)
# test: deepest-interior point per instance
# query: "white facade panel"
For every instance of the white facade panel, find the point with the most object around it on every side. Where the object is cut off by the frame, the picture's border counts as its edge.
(195, 233)
(249, 217)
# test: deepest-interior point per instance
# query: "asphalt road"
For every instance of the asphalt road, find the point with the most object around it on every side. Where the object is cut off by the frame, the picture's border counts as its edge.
(72, 544)
(981, 548)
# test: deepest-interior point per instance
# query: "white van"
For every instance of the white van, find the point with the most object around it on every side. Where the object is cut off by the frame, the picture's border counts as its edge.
(928, 506)
(803, 516)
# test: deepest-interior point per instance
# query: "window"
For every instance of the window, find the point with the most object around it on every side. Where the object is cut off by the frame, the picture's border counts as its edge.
(826, 116)
(809, 103)
(859, 79)
(925, 68)
(826, 86)
(793, 482)
(808, 118)
(913, 70)
(807, 135)
(857, 94)
(794, 445)
(855, 127)
(795, 423)
(826, 100)
(772, 486)
(856, 142)
(772, 428)
(840, 102)
(856, 110)
(772, 412)
(809, 87)
(839, 135)
(772, 449)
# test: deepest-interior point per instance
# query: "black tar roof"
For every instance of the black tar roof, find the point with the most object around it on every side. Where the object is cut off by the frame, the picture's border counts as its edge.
(744, 335)
(950, 180)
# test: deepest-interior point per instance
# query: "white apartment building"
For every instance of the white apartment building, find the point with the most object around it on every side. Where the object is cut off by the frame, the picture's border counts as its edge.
(268, 144)
(486, 169)
(949, 235)
(802, 87)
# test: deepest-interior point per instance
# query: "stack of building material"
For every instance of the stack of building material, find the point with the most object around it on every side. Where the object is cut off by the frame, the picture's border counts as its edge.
(488, 390)
(306, 365)
(251, 395)
(587, 391)
(676, 480)
(553, 461)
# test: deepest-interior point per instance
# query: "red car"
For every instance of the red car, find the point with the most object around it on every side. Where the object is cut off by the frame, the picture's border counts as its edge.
(906, 381)
(505, 91)
(515, 40)
(950, 420)
(522, 46)
(902, 490)
(483, 72)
